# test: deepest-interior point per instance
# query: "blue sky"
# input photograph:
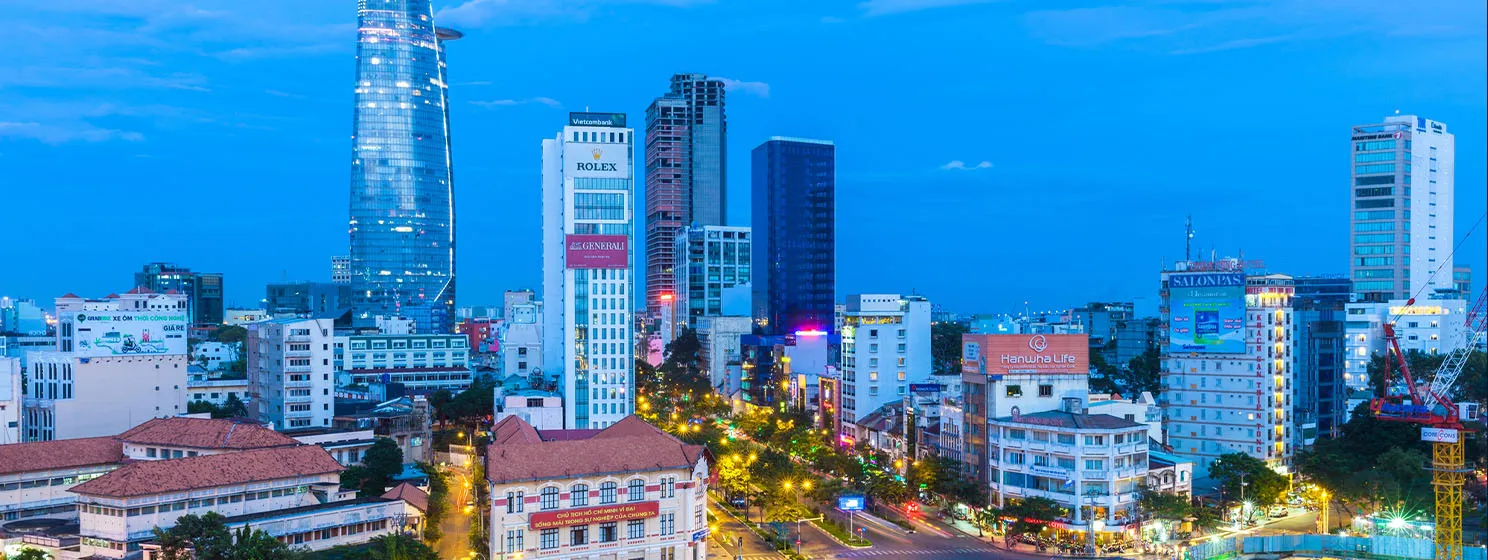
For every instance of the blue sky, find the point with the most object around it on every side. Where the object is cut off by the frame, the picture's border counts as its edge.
(216, 133)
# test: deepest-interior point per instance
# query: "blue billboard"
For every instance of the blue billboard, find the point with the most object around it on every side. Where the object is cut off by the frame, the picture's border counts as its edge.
(847, 502)
(1207, 313)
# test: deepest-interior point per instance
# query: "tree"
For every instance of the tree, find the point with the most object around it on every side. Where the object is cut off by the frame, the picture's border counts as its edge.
(1106, 383)
(1263, 486)
(1143, 372)
(734, 477)
(945, 347)
(438, 501)
(398, 546)
(1422, 366)
(206, 537)
(438, 400)
(233, 407)
(230, 334)
(1031, 515)
(383, 461)
(1164, 505)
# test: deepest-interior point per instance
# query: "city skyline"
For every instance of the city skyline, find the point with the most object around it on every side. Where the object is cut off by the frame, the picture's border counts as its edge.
(172, 129)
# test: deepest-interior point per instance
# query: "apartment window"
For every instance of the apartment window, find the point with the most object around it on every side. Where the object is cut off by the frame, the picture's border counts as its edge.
(1095, 464)
(549, 539)
(607, 532)
(514, 502)
(635, 529)
(901, 376)
(668, 553)
(1014, 458)
(150, 452)
(1095, 440)
(1066, 439)
(668, 523)
(550, 499)
(635, 490)
(578, 536)
(607, 492)
(578, 495)
(669, 488)
(1013, 433)
(1065, 462)
(514, 541)
(1046, 390)
(1014, 390)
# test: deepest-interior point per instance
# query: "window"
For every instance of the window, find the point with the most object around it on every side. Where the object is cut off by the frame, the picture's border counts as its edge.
(1094, 464)
(1066, 439)
(150, 452)
(549, 539)
(514, 501)
(668, 489)
(607, 492)
(1046, 390)
(550, 498)
(578, 536)
(1095, 440)
(607, 532)
(669, 553)
(1014, 433)
(635, 529)
(514, 541)
(578, 495)
(668, 523)
(1014, 458)
(1014, 391)
(635, 490)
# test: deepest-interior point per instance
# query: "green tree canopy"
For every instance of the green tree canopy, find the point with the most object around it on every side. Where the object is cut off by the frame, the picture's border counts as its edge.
(1263, 486)
(1031, 515)
(945, 347)
(1164, 505)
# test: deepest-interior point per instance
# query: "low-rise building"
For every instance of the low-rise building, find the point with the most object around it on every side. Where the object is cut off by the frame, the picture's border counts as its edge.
(1143, 409)
(73, 396)
(348, 447)
(216, 356)
(627, 491)
(217, 391)
(1092, 464)
(405, 420)
(542, 409)
(520, 339)
(11, 400)
(1170, 473)
(421, 362)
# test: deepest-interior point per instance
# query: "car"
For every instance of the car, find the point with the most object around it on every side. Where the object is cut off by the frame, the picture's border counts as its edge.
(738, 502)
(1278, 511)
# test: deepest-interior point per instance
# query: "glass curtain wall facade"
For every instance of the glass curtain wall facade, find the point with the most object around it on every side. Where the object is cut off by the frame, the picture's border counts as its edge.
(402, 226)
(686, 165)
(1322, 394)
(794, 194)
(203, 290)
(1401, 207)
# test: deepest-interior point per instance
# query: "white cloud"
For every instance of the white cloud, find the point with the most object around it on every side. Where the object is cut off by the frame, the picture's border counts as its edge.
(277, 93)
(889, 7)
(62, 133)
(512, 102)
(759, 89)
(478, 13)
(961, 165)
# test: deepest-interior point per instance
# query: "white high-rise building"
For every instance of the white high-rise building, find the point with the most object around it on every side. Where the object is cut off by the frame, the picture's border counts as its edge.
(885, 348)
(1429, 326)
(1226, 364)
(10, 400)
(290, 372)
(588, 204)
(1401, 209)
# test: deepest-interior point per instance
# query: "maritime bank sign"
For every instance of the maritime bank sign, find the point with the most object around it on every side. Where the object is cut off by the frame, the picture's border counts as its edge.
(599, 161)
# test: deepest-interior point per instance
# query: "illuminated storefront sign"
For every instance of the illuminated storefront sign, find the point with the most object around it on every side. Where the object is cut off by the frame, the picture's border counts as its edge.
(598, 514)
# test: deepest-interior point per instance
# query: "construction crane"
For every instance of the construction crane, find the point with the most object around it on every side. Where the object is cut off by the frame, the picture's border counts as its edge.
(1441, 423)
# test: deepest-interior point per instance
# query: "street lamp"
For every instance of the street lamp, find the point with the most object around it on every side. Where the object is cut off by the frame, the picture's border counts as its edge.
(799, 534)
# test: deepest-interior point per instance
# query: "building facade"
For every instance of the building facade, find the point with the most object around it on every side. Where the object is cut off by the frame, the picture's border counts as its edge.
(306, 298)
(341, 269)
(12, 400)
(885, 349)
(686, 173)
(1092, 464)
(1319, 318)
(1401, 208)
(1462, 278)
(1430, 326)
(421, 362)
(794, 212)
(713, 270)
(629, 491)
(290, 372)
(588, 270)
(72, 395)
(720, 339)
(1003, 374)
(402, 226)
(1228, 365)
(203, 290)
(521, 341)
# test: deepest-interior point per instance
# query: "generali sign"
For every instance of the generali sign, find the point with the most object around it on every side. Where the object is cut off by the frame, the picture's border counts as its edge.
(596, 251)
(598, 514)
(1022, 354)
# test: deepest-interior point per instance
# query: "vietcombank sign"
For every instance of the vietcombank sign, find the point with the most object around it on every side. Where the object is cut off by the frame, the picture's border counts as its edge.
(129, 333)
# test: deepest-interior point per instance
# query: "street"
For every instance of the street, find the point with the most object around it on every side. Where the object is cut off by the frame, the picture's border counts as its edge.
(455, 542)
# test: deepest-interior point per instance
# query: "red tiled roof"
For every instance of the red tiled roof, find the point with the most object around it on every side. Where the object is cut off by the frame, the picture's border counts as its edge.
(566, 435)
(630, 445)
(69, 295)
(140, 290)
(206, 433)
(411, 494)
(111, 296)
(145, 478)
(513, 430)
(59, 454)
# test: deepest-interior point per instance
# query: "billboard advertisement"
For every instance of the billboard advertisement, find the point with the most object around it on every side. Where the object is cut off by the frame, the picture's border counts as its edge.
(1023, 354)
(129, 333)
(1208, 313)
(613, 120)
(600, 514)
(596, 251)
(600, 161)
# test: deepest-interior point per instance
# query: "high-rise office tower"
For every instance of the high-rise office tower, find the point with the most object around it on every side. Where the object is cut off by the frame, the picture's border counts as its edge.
(588, 201)
(1318, 321)
(203, 290)
(686, 164)
(794, 194)
(341, 269)
(1401, 209)
(713, 273)
(402, 223)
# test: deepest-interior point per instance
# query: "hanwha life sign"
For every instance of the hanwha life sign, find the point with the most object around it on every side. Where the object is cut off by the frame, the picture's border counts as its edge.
(1023, 354)
(599, 514)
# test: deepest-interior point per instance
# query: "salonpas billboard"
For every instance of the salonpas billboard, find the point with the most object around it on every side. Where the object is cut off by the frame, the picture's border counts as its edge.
(598, 161)
(129, 333)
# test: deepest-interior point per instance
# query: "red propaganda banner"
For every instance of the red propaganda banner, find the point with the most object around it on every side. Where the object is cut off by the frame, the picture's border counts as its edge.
(597, 251)
(600, 514)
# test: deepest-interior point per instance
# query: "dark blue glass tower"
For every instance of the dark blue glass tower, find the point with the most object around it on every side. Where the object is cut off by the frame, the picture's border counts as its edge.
(1322, 394)
(794, 197)
(402, 192)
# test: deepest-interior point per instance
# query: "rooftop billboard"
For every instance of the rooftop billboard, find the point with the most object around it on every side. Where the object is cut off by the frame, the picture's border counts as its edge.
(130, 333)
(1023, 354)
(1207, 313)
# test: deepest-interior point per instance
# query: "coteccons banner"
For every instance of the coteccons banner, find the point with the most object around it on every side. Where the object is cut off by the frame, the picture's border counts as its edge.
(129, 333)
(1208, 313)
(596, 251)
(596, 161)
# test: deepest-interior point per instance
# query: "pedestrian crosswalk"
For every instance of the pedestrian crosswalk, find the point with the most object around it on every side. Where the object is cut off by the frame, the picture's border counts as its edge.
(941, 553)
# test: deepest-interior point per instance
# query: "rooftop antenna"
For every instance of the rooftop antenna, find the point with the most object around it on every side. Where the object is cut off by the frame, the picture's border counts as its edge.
(1188, 239)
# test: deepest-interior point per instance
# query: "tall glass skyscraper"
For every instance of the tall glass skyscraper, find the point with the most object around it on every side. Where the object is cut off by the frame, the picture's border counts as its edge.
(794, 199)
(686, 167)
(1401, 208)
(402, 191)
